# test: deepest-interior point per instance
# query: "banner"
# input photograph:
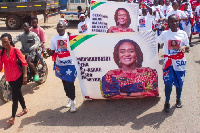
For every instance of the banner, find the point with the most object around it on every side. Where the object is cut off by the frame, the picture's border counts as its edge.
(109, 16)
(116, 65)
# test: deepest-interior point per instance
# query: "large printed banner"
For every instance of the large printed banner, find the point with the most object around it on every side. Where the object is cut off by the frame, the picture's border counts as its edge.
(109, 16)
(116, 65)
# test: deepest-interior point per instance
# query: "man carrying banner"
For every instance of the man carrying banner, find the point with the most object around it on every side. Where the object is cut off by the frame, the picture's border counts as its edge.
(174, 63)
(63, 66)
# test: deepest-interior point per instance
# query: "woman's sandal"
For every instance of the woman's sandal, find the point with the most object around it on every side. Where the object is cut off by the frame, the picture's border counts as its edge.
(11, 121)
(24, 111)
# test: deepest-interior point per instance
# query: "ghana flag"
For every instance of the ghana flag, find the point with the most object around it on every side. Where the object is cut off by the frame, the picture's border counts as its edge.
(76, 40)
(95, 4)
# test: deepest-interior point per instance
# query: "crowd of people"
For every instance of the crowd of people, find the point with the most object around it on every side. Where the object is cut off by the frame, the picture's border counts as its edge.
(173, 21)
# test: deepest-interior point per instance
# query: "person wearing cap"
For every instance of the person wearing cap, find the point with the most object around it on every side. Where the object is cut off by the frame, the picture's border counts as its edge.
(63, 19)
(146, 20)
(82, 26)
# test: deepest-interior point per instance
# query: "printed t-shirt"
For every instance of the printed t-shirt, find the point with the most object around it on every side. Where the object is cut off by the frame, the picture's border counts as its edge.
(166, 9)
(174, 62)
(63, 64)
(167, 36)
(82, 27)
(145, 22)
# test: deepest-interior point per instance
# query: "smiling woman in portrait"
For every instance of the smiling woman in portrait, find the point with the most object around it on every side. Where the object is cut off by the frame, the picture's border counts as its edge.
(131, 79)
(122, 20)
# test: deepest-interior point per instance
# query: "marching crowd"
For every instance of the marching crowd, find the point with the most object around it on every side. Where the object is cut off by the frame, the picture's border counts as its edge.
(174, 23)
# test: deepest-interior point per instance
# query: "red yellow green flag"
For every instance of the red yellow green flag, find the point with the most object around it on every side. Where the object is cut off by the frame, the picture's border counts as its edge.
(76, 40)
(95, 4)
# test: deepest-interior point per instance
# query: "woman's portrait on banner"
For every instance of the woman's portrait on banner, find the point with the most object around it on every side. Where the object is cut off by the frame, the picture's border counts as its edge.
(123, 20)
(131, 79)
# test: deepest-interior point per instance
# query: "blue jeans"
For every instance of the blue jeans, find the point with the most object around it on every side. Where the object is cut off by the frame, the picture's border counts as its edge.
(168, 90)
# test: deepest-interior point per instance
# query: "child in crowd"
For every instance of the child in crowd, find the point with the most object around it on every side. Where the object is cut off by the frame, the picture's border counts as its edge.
(180, 14)
(174, 63)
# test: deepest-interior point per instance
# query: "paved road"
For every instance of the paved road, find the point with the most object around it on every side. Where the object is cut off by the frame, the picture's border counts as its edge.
(47, 112)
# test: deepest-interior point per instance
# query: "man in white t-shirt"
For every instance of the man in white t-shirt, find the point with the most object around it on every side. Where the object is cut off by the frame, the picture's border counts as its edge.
(146, 20)
(82, 26)
(63, 65)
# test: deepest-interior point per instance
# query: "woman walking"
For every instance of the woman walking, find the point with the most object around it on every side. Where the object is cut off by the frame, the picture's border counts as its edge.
(13, 74)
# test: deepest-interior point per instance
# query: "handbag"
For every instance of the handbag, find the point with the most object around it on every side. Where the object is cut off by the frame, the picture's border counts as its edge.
(19, 62)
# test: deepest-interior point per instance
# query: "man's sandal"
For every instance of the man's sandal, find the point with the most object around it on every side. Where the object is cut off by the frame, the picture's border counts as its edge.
(11, 121)
(22, 113)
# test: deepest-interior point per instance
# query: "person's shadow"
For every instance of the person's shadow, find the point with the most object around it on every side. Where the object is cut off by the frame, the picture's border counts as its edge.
(101, 113)
(5, 125)
(153, 119)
